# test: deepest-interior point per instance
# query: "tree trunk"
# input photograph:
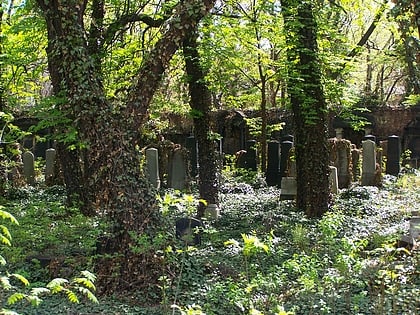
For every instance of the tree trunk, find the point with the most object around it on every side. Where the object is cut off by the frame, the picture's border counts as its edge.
(111, 179)
(200, 100)
(309, 108)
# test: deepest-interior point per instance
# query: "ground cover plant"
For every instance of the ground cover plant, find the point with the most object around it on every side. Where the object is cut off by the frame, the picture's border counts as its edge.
(263, 256)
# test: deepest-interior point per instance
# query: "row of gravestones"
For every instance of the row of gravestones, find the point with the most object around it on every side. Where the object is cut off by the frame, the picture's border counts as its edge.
(344, 157)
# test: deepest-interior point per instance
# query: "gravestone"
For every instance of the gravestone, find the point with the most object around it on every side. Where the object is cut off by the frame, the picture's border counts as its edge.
(189, 230)
(368, 163)
(29, 167)
(272, 176)
(355, 162)
(212, 212)
(288, 188)
(249, 159)
(288, 138)
(50, 155)
(369, 137)
(285, 148)
(393, 155)
(192, 148)
(339, 133)
(343, 163)
(152, 166)
(333, 177)
(178, 171)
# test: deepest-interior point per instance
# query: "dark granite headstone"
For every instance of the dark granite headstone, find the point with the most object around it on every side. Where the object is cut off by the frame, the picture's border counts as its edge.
(273, 163)
(189, 230)
(393, 155)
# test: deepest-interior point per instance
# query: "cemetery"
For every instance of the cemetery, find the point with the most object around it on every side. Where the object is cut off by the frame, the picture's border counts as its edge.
(203, 157)
(374, 214)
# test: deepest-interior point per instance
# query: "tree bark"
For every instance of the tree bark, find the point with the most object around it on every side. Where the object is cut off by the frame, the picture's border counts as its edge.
(200, 100)
(308, 106)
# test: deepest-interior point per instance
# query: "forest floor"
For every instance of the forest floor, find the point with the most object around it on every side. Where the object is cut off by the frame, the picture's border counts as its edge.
(263, 256)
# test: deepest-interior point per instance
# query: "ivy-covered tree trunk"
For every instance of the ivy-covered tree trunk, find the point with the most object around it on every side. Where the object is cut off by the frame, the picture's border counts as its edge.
(309, 107)
(201, 106)
(108, 134)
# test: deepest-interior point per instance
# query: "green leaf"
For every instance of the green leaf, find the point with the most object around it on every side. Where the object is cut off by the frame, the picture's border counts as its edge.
(21, 278)
(5, 283)
(72, 297)
(15, 297)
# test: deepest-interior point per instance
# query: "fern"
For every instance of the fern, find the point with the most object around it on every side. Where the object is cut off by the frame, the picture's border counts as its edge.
(7, 216)
(5, 283)
(5, 231)
(88, 275)
(2, 261)
(15, 297)
(21, 278)
(88, 294)
(56, 285)
(85, 282)
(4, 240)
(39, 291)
(72, 296)
(34, 300)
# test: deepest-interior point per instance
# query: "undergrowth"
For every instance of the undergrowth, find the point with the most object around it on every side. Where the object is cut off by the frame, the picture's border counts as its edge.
(263, 256)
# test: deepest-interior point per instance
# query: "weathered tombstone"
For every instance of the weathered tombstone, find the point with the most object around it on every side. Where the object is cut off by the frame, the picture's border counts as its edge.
(285, 148)
(343, 163)
(333, 179)
(251, 155)
(339, 133)
(368, 163)
(288, 138)
(369, 137)
(178, 171)
(152, 166)
(212, 212)
(393, 155)
(189, 230)
(273, 162)
(288, 188)
(355, 162)
(49, 166)
(191, 145)
(29, 167)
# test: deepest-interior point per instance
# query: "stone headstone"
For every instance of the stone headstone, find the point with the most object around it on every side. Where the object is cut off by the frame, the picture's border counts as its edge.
(393, 155)
(50, 155)
(178, 171)
(273, 164)
(333, 180)
(343, 164)
(251, 155)
(152, 166)
(285, 148)
(339, 133)
(288, 138)
(369, 137)
(189, 230)
(368, 163)
(288, 188)
(192, 148)
(212, 212)
(355, 162)
(29, 167)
